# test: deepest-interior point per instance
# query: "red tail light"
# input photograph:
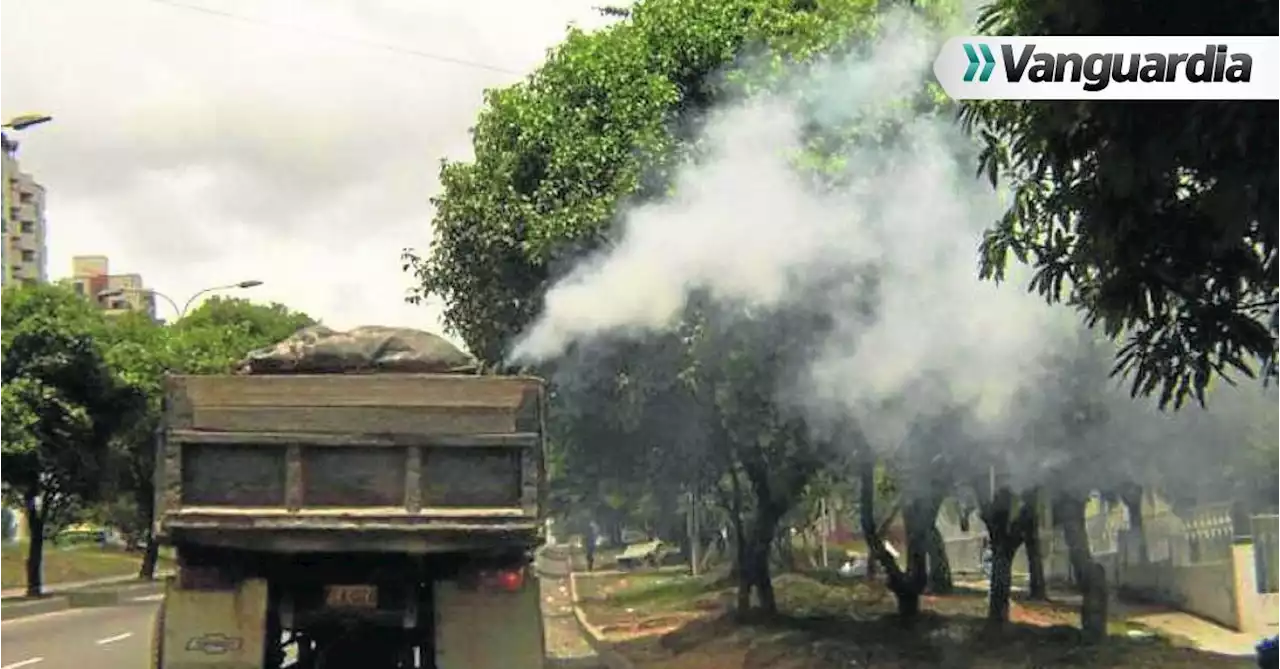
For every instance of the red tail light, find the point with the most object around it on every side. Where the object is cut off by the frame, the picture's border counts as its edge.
(509, 580)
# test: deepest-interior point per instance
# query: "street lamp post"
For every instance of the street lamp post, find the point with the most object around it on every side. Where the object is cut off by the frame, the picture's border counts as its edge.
(7, 150)
(180, 311)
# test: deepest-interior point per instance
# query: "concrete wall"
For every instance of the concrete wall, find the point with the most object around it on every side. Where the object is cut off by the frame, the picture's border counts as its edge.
(1222, 591)
(1206, 590)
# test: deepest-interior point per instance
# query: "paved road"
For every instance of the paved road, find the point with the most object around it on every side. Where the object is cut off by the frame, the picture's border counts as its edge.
(120, 637)
(117, 637)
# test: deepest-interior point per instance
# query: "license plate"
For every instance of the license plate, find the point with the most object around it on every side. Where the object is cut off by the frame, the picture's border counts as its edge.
(351, 596)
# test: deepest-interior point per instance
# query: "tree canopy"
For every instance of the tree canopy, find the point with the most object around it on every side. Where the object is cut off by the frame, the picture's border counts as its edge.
(601, 126)
(83, 394)
(209, 340)
(62, 405)
(1156, 220)
(602, 123)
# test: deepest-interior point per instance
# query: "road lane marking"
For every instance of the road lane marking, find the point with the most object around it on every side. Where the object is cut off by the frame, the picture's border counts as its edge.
(110, 639)
(149, 598)
(24, 663)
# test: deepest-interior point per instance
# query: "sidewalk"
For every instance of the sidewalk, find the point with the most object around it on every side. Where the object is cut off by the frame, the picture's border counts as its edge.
(56, 588)
(1199, 632)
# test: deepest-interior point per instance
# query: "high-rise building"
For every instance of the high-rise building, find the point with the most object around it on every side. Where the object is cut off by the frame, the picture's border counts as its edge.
(91, 277)
(24, 249)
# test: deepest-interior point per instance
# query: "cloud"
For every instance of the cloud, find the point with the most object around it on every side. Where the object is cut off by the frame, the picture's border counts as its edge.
(298, 144)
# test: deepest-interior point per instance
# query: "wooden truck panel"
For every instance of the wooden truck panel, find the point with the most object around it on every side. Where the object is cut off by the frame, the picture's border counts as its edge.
(383, 453)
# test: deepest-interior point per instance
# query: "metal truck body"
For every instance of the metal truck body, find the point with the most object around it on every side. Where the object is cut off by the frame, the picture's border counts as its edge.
(351, 520)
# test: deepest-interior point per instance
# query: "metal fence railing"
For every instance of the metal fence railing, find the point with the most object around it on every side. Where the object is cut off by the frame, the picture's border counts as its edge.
(1266, 551)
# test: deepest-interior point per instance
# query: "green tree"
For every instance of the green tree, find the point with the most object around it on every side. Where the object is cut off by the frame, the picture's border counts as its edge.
(62, 406)
(1156, 220)
(604, 123)
(240, 326)
(209, 340)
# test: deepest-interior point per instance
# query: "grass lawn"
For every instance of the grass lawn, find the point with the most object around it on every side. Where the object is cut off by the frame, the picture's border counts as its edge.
(71, 564)
(670, 621)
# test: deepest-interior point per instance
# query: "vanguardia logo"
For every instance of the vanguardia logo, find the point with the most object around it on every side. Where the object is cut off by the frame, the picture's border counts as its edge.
(1097, 71)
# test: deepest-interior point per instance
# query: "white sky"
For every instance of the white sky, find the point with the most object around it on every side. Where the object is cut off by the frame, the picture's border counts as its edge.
(285, 145)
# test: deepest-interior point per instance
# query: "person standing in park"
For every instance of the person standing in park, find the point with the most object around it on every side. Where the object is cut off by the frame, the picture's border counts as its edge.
(589, 542)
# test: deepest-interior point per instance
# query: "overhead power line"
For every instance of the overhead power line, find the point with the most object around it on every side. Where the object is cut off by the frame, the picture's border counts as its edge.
(392, 48)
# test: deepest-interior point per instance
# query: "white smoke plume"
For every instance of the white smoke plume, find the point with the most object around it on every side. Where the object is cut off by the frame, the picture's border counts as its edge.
(745, 229)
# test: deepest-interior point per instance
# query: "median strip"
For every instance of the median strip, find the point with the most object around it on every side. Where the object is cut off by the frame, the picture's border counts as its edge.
(123, 592)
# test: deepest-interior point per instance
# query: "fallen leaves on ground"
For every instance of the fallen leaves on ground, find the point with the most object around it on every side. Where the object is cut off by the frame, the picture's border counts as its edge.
(665, 621)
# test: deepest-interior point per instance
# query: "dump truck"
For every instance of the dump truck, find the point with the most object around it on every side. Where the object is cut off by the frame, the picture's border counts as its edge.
(358, 520)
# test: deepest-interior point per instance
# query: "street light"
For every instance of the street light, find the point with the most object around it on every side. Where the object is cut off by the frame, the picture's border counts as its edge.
(24, 121)
(7, 150)
(181, 312)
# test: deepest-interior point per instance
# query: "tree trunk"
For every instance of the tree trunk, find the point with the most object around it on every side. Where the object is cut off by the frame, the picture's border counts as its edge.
(1131, 495)
(35, 549)
(1005, 532)
(762, 580)
(746, 572)
(1092, 578)
(741, 555)
(763, 532)
(908, 606)
(150, 556)
(906, 586)
(1038, 587)
(920, 520)
(1093, 606)
(1001, 585)
(1030, 528)
(940, 581)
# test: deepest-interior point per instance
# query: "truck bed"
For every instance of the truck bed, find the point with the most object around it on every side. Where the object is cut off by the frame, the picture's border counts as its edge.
(406, 463)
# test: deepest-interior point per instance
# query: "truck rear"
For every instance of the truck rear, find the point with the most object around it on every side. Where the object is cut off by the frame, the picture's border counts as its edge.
(351, 520)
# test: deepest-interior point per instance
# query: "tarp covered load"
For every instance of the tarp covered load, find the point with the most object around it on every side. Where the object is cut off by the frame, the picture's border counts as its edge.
(320, 350)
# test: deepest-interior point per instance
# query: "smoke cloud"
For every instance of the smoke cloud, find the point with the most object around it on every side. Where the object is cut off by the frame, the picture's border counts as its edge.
(747, 230)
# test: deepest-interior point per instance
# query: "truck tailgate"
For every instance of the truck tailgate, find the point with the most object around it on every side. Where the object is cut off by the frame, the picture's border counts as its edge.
(394, 458)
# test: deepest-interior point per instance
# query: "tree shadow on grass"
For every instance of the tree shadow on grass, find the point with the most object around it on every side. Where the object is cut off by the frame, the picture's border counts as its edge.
(882, 642)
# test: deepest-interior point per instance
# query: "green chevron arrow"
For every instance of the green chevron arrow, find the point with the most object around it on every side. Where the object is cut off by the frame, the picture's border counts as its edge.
(991, 62)
(988, 62)
(973, 62)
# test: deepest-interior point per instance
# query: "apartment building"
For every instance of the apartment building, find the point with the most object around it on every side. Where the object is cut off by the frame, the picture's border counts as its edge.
(115, 293)
(24, 250)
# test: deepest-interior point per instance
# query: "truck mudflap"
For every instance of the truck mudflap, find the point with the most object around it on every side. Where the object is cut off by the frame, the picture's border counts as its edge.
(212, 628)
(491, 621)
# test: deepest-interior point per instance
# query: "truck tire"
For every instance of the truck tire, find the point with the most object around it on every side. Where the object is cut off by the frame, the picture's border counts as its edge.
(157, 638)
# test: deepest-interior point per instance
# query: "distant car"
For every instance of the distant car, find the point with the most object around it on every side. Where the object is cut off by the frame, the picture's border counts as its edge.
(855, 567)
(647, 554)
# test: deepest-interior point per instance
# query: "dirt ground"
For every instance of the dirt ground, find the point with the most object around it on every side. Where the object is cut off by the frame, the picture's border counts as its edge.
(670, 621)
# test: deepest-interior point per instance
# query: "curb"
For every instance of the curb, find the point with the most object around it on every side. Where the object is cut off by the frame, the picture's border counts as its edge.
(95, 596)
(114, 595)
(594, 636)
(35, 607)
